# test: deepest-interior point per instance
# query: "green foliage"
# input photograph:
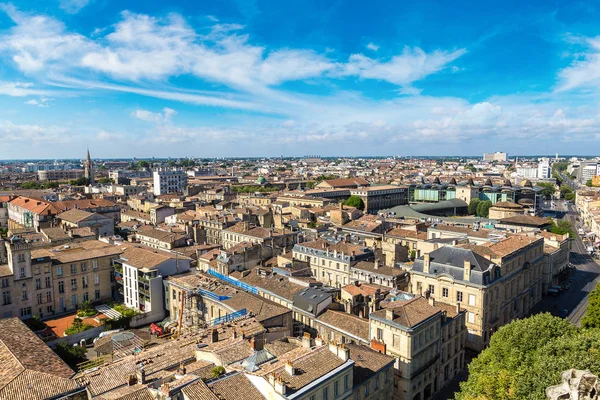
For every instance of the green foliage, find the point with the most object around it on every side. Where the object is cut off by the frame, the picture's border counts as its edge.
(325, 178)
(355, 201)
(36, 324)
(312, 224)
(83, 181)
(570, 196)
(548, 189)
(3, 232)
(125, 311)
(86, 310)
(473, 206)
(104, 181)
(565, 189)
(588, 183)
(33, 185)
(311, 184)
(77, 327)
(413, 255)
(560, 166)
(562, 227)
(483, 208)
(217, 371)
(523, 359)
(72, 355)
(143, 164)
(591, 319)
(253, 189)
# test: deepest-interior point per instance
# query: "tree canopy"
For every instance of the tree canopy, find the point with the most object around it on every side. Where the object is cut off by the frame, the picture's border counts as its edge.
(483, 208)
(528, 355)
(548, 189)
(473, 206)
(355, 201)
(591, 319)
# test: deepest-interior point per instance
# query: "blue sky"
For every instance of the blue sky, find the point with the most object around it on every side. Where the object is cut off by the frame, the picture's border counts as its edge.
(269, 78)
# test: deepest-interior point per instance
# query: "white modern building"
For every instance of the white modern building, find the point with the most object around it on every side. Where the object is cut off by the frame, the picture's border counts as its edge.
(527, 172)
(544, 171)
(169, 181)
(141, 271)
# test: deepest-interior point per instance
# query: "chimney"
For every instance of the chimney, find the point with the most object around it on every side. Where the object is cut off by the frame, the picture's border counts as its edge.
(343, 352)
(306, 340)
(431, 301)
(289, 368)
(333, 347)
(467, 271)
(458, 308)
(426, 261)
(272, 379)
(376, 264)
(319, 341)
(234, 334)
(280, 386)
(140, 374)
(214, 336)
(389, 314)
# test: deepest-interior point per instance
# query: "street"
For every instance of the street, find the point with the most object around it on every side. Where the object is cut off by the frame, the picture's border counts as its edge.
(584, 279)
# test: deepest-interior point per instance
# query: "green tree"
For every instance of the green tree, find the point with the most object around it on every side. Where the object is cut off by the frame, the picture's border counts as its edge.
(588, 183)
(31, 185)
(83, 181)
(565, 189)
(355, 201)
(562, 228)
(547, 190)
(50, 185)
(483, 208)
(72, 355)
(498, 372)
(104, 180)
(311, 184)
(591, 319)
(473, 206)
(560, 166)
(570, 196)
(217, 371)
(143, 164)
(77, 327)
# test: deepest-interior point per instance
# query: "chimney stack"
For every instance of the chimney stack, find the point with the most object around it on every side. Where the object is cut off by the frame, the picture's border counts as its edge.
(306, 340)
(426, 262)
(280, 386)
(432, 301)
(289, 368)
(389, 314)
(140, 374)
(467, 271)
(214, 336)
(343, 352)
(319, 341)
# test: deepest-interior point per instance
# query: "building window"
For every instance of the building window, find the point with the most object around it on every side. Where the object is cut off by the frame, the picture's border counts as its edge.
(25, 312)
(21, 257)
(471, 299)
(49, 309)
(73, 284)
(22, 272)
(83, 267)
(379, 334)
(431, 289)
(345, 382)
(5, 283)
(6, 298)
(61, 286)
(74, 300)
(471, 318)
(38, 284)
(367, 389)
(94, 264)
(39, 298)
(73, 268)
(25, 295)
(59, 271)
(47, 281)
(84, 281)
(336, 389)
(325, 394)
(459, 296)
(396, 341)
(86, 297)
(96, 279)
(97, 294)
(444, 292)
(48, 297)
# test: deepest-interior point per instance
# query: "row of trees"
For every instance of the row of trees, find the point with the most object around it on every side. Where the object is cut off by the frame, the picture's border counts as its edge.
(528, 355)
(481, 208)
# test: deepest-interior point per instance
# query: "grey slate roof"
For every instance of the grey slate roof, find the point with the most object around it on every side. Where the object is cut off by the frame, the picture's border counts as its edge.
(451, 260)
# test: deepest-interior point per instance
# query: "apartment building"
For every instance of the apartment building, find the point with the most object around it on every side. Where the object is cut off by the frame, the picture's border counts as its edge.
(140, 271)
(426, 338)
(157, 239)
(331, 263)
(169, 181)
(98, 223)
(26, 212)
(244, 232)
(4, 211)
(60, 175)
(495, 283)
(43, 282)
(378, 198)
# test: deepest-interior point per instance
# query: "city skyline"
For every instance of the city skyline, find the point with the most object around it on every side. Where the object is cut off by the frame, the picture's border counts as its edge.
(239, 78)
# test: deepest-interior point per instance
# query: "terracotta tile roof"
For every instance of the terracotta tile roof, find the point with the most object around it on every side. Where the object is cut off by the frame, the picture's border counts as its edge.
(409, 313)
(346, 182)
(133, 392)
(525, 220)
(236, 387)
(369, 266)
(262, 308)
(162, 236)
(367, 362)
(281, 346)
(406, 233)
(84, 204)
(310, 367)
(74, 215)
(511, 244)
(352, 324)
(277, 284)
(341, 247)
(78, 251)
(365, 289)
(39, 207)
(146, 257)
(199, 391)
(28, 368)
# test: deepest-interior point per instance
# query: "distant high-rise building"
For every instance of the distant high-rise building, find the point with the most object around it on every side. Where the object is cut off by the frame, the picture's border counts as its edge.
(544, 169)
(497, 156)
(88, 168)
(169, 181)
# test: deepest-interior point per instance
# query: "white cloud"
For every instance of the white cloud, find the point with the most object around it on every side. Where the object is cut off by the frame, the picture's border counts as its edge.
(73, 6)
(410, 66)
(372, 46)
(41, 102)
(584, 71)
(158, 118)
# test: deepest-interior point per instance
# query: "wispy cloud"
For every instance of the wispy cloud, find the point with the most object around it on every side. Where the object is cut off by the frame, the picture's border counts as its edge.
(372, 46)
(41, 102)
(158, 118)
(73, 6)
(584, 71)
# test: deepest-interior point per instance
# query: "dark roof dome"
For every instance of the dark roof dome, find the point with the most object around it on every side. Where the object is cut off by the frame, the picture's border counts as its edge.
(488, 182)
(527, 184)
(436, 181)
(470, 182)
(452, 181)
(507, 183)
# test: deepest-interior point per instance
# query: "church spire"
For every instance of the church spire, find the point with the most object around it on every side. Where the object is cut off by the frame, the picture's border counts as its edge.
(88, 168)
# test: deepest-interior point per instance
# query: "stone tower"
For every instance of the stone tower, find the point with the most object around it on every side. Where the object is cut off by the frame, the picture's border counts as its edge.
(88, 168)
